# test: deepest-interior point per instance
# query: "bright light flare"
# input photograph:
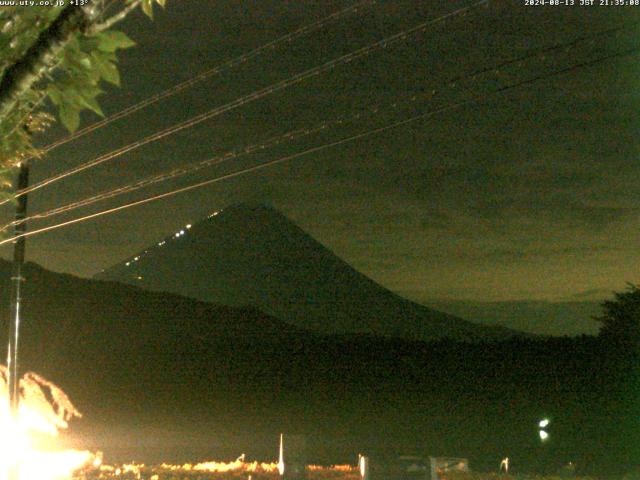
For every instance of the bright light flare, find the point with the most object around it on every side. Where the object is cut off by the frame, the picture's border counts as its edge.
(543, 435)
(44, 410)
(280, 453)
(544, 423)
(362, 464)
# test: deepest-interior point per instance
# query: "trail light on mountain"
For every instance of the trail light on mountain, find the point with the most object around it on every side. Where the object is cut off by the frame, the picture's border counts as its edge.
(250, 250)
(544, 423)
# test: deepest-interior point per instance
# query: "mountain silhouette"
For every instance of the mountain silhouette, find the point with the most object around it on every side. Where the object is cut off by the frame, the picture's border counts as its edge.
(253, 255)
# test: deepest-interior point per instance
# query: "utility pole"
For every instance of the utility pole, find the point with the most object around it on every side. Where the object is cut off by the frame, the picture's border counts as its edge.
(16, 289)
(16, 299)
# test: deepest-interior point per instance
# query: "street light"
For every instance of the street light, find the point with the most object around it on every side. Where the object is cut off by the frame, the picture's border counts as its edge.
(542, 432)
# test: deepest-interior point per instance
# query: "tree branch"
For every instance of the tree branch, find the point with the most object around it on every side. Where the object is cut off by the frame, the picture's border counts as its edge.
(20, 77)
(109, 22)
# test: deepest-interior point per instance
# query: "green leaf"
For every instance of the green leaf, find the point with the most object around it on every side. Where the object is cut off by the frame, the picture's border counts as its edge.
(89, 101)
(54, 94)
(81, 97)
(112, 40)
(70, 117)
(147, 8)
(107, 69)
(89, 43)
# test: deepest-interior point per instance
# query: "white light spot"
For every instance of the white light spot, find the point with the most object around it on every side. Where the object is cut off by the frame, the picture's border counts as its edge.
(544, 423)
(543, 435)
(188, 225)
(128, 263)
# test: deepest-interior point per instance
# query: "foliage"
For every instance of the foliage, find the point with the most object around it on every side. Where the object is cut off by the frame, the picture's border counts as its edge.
(71, 79)
(621, 318)
(85, 62)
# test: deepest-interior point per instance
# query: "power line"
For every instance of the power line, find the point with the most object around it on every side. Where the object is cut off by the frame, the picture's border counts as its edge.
(381, 44)
(234, 174)
(573, 67)
(313, 149)
(234, 62)
(549, 48)
(288, 136)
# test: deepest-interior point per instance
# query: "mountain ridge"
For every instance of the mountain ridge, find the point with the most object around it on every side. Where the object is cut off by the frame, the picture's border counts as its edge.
(254, 255)
(556, 318)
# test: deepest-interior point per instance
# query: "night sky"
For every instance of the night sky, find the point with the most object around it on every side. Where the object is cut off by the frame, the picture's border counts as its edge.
(529, 194)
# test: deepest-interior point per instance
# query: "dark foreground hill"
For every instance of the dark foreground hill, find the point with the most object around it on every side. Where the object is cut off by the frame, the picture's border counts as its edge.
(164, 377)
(253, 255)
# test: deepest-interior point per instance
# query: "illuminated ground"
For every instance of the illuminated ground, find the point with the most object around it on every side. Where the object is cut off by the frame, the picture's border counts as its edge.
(214, 470)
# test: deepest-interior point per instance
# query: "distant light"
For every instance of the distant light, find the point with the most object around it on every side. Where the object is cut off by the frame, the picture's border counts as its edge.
(188, 225)
(139, 278)
(215, 213)
(181, 232)
(136, 259)
(281, 456)
(544, 423)
(543, 435)
(128, 263)
(177, 234)
(362, 463)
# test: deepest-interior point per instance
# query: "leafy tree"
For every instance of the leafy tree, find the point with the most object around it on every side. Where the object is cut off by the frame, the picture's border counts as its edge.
(55, 57)
(621, 317)
(620, 362)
